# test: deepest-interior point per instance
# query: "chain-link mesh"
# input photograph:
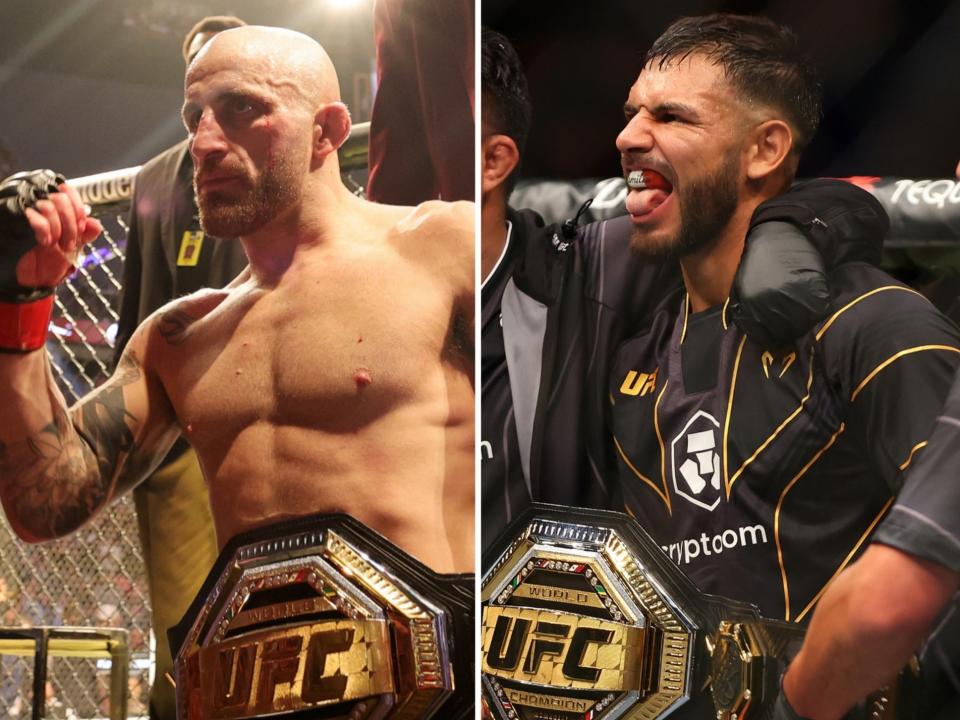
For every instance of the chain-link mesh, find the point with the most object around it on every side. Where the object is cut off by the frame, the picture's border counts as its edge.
(94, 577)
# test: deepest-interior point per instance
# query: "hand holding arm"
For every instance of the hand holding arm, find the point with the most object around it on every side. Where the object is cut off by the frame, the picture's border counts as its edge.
(869, 622)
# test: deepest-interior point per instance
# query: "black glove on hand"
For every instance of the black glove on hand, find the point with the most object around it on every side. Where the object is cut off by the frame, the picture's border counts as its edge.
(780, 290)
(17, 193)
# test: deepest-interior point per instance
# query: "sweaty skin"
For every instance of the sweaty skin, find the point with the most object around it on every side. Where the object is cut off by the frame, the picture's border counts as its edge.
(334, 375)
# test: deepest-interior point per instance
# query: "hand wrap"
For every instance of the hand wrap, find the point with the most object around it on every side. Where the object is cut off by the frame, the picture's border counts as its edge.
(24, 311)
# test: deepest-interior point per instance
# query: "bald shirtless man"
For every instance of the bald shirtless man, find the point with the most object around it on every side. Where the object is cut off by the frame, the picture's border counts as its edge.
(333, 375)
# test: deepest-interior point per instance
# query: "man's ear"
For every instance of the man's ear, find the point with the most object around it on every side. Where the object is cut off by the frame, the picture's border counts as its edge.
(499, 156)
(331, 128)
(769, 148)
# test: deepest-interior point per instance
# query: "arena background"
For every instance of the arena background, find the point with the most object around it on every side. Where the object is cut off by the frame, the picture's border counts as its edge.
(87, 87)
(892, 100)
(891, 103)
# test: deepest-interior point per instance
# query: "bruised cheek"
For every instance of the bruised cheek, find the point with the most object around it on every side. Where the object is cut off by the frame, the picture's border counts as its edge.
(264, 146)
(270, 136)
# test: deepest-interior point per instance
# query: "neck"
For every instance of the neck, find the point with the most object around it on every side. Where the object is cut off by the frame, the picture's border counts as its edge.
(493, 231)
(316, 219)
(708, 273)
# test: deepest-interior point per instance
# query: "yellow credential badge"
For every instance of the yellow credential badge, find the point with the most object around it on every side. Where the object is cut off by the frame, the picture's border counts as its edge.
(190, 246)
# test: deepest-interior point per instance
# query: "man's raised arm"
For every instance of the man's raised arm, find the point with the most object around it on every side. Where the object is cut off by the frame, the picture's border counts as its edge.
(57, 466)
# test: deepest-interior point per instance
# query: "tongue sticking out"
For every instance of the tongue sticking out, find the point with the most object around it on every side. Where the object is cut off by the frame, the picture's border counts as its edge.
(648, 190)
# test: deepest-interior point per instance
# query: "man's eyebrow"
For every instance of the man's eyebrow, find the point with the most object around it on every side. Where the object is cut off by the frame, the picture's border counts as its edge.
(239, 94)
(664, 108)
(674, 108)
(226, 95)
(186, 110)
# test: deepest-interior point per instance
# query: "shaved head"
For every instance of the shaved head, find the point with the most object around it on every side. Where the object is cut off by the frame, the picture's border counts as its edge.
(263, 108)
(284, 58)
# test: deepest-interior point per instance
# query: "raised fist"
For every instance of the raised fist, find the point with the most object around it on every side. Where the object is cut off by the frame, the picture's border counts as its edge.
(43, 225)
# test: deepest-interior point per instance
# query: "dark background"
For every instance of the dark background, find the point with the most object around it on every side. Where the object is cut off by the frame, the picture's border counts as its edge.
(891, 73)
(93, 85)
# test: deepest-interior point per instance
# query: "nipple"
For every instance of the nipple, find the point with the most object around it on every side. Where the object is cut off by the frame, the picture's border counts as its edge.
(361, 376)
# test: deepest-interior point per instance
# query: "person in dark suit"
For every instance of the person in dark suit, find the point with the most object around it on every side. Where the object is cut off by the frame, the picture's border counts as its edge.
(167, 256)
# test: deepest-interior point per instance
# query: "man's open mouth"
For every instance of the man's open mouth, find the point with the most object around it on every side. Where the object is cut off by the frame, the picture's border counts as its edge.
(648, 190)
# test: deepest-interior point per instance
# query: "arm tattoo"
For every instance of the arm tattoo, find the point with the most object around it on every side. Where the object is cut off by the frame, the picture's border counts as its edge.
(102, 420)
(55, 483)
(173, 326)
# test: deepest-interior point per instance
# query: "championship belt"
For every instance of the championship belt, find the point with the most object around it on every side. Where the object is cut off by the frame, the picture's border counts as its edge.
(585, 618)
(322, 617)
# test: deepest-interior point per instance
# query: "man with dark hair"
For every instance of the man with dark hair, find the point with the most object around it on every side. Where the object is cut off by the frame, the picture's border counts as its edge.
(541, 459)
(168, 255)
(505, 122)
(556, 302)
(506, 102)
(760, 469)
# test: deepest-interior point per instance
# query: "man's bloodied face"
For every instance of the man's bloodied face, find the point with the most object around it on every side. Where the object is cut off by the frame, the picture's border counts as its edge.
(684, 132)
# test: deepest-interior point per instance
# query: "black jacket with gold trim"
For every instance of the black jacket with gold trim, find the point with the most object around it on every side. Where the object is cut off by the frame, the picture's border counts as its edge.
(761, 471)
(571, 301)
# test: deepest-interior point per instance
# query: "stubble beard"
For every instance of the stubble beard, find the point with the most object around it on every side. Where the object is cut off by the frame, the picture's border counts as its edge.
(706, 206)
(225, 215)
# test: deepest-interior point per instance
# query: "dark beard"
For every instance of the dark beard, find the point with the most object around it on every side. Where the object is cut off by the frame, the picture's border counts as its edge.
(706, 206)
(232, 217)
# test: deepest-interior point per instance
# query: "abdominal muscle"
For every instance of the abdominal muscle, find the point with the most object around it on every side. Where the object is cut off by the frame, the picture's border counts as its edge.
(391, 475)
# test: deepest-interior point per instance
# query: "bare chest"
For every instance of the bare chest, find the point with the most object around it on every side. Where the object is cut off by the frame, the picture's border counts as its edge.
(333, 346)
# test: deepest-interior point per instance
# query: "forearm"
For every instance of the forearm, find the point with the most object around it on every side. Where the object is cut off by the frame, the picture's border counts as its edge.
(841, 662)
(59, 466)
(865, 629)
(50, 479)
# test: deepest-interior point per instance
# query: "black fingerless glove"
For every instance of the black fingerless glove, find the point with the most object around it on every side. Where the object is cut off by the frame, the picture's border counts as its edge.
(17, 193)
(24, 311)
(780, 290)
